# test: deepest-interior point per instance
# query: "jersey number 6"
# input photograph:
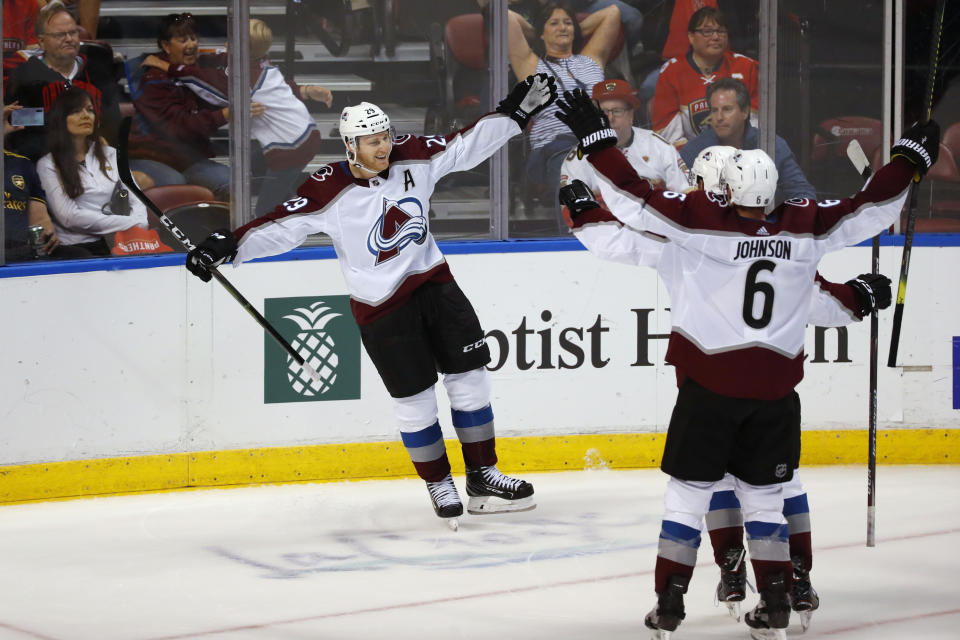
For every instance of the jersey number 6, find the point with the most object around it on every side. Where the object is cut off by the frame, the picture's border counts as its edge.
(751, 289)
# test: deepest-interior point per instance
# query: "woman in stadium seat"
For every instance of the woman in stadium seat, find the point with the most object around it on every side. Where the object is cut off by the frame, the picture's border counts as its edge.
(556, 50)
(79, 175)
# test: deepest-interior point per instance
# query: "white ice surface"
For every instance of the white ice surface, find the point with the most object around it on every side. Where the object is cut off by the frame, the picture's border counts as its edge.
(363, 560)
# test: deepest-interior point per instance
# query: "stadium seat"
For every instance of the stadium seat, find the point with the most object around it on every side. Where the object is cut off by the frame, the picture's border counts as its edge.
(832, 136)
(951, 140)
(178, 195)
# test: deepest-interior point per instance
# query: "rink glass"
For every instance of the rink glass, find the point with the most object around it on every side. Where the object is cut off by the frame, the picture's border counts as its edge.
(436, 67)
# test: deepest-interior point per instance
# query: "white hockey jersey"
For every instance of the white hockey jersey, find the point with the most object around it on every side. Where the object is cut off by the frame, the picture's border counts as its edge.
(650, 155)
(831, 305)
(379, 227)
(740, 289)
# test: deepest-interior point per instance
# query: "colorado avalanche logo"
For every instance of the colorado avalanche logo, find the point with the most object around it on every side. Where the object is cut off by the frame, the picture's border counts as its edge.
(397, 226)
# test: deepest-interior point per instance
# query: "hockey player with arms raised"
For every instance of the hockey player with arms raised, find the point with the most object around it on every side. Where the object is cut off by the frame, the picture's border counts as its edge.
(832, 305)
(740, 286)
(414, 320)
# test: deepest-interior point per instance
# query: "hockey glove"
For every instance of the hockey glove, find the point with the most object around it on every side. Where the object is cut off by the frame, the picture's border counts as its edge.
(528, 98)
(920, 144)
(216, 249)
(587, 122)
(872, 291)
(578, 198)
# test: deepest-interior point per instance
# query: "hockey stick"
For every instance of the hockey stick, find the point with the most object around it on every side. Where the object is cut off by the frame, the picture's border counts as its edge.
(860, 163)
(912, 210)
(123, 166)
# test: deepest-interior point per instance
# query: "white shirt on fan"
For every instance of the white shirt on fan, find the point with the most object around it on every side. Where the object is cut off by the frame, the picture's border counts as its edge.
(82, 219)
(650, 155)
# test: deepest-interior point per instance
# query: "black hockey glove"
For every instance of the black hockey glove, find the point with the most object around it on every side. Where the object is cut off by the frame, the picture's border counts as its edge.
(920, 144)
(528, 98)
(872, 292)
(587, 122)
(216, 249)
(578, 198)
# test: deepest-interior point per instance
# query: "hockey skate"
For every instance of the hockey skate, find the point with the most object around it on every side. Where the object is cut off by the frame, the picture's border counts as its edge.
(732, 588)
(664, 619)
(492, 492)
(804, 598)
(769, 619)
(446, 501)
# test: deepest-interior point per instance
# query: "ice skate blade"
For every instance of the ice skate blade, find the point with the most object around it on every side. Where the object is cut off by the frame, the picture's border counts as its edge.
(768, 634)
(453, 523)
(733, 608)
(805, 617)
(482, 505)
(660, 634)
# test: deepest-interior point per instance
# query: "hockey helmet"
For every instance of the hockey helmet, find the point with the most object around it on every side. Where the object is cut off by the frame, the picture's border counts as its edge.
(708, 165)
(363, 119)
(752, 177)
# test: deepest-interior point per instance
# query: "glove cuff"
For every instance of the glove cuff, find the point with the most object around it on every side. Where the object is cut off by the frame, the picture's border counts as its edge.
(914, 152)
(864, 295)
(598, 140)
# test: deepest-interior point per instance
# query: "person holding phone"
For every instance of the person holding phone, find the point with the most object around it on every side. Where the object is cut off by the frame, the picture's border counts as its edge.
(40, 80)
(25, 206)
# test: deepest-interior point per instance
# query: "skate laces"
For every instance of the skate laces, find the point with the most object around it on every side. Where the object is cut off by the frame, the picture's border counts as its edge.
(492, 475)
(444, 492)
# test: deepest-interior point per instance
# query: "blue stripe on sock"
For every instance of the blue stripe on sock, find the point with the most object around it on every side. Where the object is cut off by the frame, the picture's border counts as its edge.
(797, 504)
(677, 532)
(766, 530)
(422, 438)
(724, 500)
(463, 419)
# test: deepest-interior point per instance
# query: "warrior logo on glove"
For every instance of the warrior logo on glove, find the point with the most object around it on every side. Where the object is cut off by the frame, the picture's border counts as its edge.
(586, 121)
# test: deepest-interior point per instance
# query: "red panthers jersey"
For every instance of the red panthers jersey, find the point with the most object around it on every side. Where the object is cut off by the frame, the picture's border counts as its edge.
(680, 108)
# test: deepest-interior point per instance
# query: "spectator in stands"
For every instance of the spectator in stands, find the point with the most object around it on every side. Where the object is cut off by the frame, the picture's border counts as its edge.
(171, 142)
(25, 205)
(729, 103)
(79, 176)
(630, 16)
(88, 14)
(557, 52)
(60, 65)
(650, 155)
(282, 125)
(19, 33)
(679, 108)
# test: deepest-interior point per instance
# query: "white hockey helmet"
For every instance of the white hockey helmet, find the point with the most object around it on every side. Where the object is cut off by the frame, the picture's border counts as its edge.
(363, 119)
(708, 165)
(752, 177)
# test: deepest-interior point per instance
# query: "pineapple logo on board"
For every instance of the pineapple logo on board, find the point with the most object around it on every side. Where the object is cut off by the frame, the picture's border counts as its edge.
(323, 331)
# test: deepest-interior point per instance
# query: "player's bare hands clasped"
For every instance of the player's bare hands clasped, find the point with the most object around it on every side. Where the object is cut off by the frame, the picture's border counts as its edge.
(586, 121)
(528, 98)
(219, 247)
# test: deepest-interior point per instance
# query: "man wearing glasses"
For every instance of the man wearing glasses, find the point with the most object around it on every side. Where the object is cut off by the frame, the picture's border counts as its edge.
(59, 65)
(679, 106)
(650, 155)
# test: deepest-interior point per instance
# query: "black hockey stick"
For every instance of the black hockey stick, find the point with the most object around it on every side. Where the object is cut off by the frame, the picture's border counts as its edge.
(862, 165)
(935, 43)
(123, 166)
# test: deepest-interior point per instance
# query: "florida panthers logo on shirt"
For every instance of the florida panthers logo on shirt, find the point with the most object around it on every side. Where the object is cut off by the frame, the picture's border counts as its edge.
(401, 223)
